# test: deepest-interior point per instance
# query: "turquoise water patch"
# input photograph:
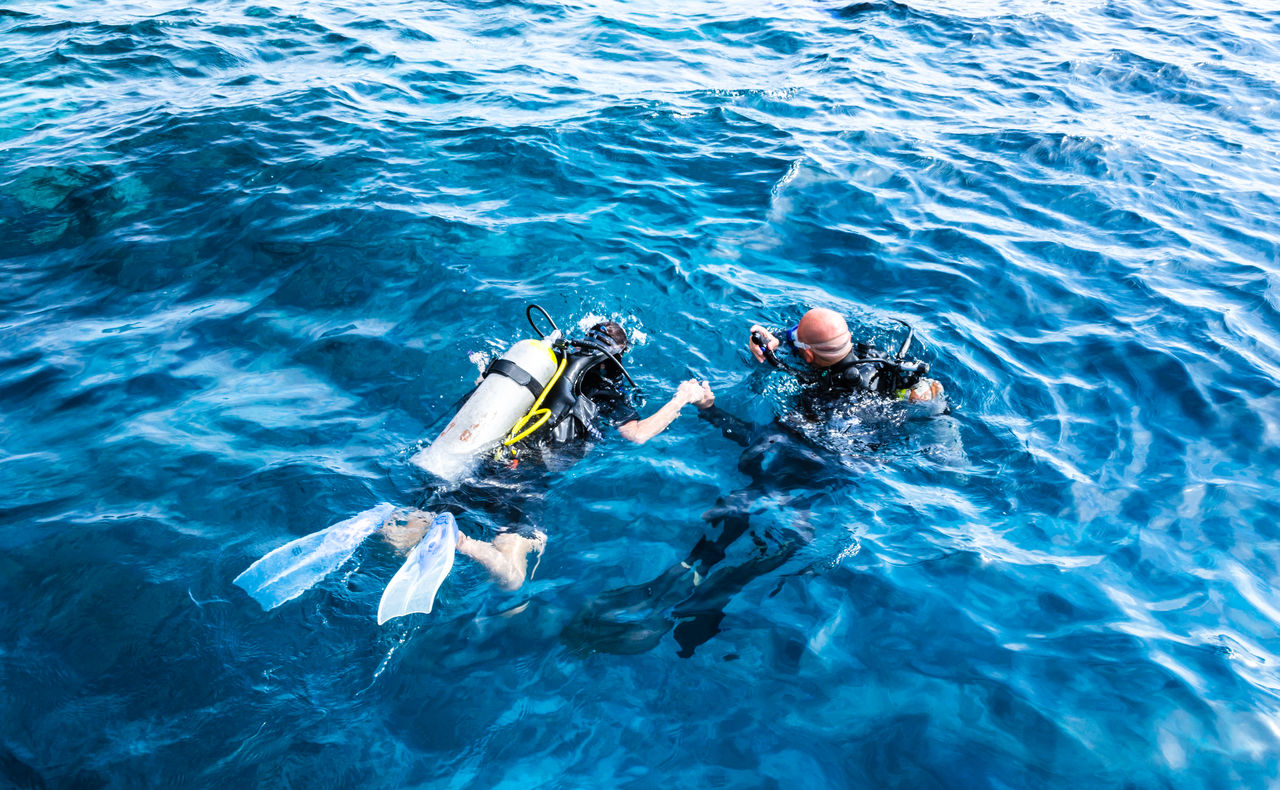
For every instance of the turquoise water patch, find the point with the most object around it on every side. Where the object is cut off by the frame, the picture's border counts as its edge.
(248, 254)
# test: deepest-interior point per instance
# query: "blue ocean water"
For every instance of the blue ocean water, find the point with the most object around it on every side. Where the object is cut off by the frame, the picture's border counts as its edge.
(247, 249)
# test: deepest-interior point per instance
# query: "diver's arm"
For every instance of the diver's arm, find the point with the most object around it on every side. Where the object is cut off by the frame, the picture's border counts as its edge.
(735, 429)
(641, 431)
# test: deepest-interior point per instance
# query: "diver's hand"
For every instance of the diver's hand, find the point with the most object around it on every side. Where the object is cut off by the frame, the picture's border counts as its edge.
(769, 340)
(689, 392)
(696, 392)
(706, 398)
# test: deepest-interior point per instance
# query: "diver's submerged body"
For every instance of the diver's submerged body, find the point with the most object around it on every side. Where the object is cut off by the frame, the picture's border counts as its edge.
(786, 469)
(788, 473)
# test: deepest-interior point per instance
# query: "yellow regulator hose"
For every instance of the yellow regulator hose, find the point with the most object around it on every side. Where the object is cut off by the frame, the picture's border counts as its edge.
(519, 432)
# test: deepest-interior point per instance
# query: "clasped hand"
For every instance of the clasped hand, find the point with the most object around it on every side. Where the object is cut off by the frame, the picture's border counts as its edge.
(696, 392)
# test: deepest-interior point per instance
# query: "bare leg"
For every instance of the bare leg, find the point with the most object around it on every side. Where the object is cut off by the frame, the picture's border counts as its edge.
(506, 558)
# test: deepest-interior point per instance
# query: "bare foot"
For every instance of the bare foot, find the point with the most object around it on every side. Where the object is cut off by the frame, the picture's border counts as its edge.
(405, 528)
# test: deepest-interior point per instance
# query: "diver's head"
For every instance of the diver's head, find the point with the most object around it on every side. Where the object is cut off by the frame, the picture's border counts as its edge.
(822, 337)
(610, 335)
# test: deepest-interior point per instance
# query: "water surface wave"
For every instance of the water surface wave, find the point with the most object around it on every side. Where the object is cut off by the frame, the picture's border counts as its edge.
(248, 248)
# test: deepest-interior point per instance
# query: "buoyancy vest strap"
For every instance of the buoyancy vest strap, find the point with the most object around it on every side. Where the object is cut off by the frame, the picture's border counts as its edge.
(505, 367)
(569, 388)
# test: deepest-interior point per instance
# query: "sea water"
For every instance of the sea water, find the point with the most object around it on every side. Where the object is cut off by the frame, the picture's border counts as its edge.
(246, 251)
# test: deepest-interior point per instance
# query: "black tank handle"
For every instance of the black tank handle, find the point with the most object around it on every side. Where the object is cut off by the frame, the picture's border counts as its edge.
(528, 313)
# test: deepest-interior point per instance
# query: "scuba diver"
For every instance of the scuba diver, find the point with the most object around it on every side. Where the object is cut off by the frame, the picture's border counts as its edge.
(789, 473)
(531, 403)
(583, 392)
(838, 366)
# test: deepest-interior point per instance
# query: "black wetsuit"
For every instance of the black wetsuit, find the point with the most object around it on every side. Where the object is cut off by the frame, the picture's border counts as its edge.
(589, 391)
(786, 469)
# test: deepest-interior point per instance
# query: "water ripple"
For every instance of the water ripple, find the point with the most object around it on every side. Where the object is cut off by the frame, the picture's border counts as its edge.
(247, 249)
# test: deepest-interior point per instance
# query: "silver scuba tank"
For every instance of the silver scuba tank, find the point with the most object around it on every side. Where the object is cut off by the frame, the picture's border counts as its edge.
(507, 391)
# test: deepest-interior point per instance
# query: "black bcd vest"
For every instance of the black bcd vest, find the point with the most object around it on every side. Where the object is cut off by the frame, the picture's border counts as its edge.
(573, 414)
(852, 374)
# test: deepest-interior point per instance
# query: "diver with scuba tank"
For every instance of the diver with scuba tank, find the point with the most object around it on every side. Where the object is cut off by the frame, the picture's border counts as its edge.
(539, 395)
(584, 390)
(549, 391)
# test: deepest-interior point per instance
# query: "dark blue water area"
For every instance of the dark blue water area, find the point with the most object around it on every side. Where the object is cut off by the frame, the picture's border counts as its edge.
(246, 251)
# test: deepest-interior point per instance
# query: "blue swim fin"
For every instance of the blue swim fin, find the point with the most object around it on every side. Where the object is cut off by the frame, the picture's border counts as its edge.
(295, 567)
(413, 588)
